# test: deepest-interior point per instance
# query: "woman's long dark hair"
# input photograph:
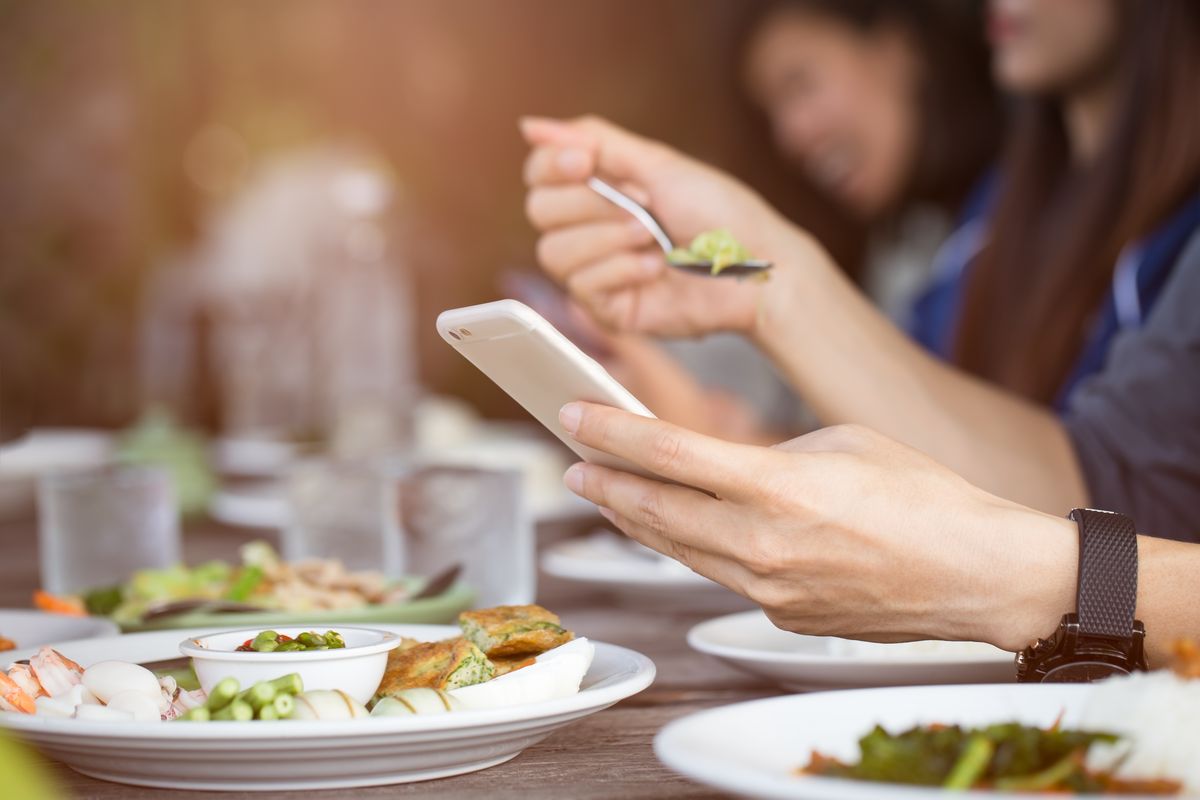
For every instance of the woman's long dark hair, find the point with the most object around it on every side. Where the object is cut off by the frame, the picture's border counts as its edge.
(961, 112)
(1059, 228)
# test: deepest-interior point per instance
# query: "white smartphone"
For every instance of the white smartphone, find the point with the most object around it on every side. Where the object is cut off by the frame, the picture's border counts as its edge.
(537, 366)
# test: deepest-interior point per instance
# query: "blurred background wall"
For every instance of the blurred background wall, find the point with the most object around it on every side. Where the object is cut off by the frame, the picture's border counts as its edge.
(130, 126)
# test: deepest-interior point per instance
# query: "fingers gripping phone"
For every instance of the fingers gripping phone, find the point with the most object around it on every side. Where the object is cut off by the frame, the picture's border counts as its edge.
(537, 366)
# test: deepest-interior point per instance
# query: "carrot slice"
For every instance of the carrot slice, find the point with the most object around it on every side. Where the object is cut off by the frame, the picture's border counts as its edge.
(70, 606)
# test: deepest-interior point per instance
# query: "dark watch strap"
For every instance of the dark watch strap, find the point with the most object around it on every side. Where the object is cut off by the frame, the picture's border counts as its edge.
(1108, 571)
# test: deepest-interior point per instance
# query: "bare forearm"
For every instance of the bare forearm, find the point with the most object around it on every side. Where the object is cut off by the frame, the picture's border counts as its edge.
(1167, 580)
(852, 365)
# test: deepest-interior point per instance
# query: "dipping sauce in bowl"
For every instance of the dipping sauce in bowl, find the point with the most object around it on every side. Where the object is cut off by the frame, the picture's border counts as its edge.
(356, 668)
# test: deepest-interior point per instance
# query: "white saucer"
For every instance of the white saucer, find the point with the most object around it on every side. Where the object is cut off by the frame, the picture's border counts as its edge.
(608, 560)
(36, 628)
(750, 642)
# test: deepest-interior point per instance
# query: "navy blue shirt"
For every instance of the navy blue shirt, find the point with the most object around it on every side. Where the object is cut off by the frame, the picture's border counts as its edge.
(1141, 272)
(1135, 426)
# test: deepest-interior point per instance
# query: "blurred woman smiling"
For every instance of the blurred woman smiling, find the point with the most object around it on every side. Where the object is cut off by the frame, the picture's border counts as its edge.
(891, 109)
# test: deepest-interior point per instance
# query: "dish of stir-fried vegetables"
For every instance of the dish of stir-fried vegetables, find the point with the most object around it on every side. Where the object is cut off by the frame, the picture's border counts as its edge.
(1008, 757)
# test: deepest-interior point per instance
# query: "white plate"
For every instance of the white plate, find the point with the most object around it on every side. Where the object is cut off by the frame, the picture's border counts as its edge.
(257, 504)
(32, 629)
(754, 748)
(46, 450)
(235, 756)
(43, 451)
(751, 643)
(265, 458)
(605, 559)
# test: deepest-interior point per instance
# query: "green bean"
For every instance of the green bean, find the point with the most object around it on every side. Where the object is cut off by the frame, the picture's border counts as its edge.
(265, 641)
(238, 710)
(259, 694)
(288, 684)
(269, 642)
(267, 713)
(221, 694)
(971, 764)
(310, 639)
(198, 714)
(283, 705)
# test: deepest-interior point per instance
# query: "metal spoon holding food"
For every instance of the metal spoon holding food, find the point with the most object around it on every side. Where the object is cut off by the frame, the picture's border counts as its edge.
(712, 253)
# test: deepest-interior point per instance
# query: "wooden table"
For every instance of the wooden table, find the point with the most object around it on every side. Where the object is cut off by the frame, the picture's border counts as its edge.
(608, 755)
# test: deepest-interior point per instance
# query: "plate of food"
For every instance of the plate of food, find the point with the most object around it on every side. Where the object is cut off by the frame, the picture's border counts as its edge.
(261, 590)
(608, 560)
(281, 708)
(21, 628)
(750, 642)
(1131, 735)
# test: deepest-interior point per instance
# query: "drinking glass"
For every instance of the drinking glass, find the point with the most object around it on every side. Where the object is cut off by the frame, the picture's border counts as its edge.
(97, 526)
(343, 509)
(474, 517)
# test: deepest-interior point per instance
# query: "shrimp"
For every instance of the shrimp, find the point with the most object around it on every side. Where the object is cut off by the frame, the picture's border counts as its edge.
(22, 675)
(55, 672)
(14, 698)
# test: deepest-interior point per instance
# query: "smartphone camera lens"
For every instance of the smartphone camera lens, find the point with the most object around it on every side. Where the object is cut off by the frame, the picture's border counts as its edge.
(454, 334)
(464, 331)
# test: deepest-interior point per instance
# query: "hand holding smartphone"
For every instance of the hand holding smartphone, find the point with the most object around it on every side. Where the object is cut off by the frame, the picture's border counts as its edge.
(538, 367)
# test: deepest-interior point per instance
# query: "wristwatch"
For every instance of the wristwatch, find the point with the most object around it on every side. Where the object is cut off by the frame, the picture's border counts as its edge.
(1101, 638)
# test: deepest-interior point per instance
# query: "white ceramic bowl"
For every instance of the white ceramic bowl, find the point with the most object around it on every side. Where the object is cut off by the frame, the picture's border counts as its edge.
(356, 669)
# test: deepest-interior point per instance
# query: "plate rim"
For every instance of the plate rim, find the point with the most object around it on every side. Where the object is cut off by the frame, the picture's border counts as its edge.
(668, 748)
(458, 596)
(747, 654)
(104, 627)
(552, 561)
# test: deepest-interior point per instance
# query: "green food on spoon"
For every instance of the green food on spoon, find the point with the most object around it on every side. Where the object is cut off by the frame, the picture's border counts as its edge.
(715, 246)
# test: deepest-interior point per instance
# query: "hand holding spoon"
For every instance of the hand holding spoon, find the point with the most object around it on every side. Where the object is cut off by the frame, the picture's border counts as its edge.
(639, 212)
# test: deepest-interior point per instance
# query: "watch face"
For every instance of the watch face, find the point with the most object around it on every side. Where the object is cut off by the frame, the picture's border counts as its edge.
(1082, 672)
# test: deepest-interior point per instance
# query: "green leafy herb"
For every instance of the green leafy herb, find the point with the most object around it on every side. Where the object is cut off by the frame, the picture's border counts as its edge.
(105, 600)
(245, 583)
(1009, 757)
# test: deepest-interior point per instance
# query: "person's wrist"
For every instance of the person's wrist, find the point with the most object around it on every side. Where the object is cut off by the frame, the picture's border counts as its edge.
(1035, 582)
(798, 258)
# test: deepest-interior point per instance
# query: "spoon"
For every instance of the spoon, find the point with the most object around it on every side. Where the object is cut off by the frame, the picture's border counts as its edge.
(170, 609)
(639, 212)
(438, 583)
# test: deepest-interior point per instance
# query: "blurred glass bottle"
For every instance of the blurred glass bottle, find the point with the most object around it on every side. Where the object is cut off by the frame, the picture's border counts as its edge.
(307, 307)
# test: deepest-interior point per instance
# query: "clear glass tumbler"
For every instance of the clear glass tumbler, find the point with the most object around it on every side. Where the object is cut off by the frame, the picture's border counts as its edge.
(97, 526)
(343, 509)
(474, 517)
